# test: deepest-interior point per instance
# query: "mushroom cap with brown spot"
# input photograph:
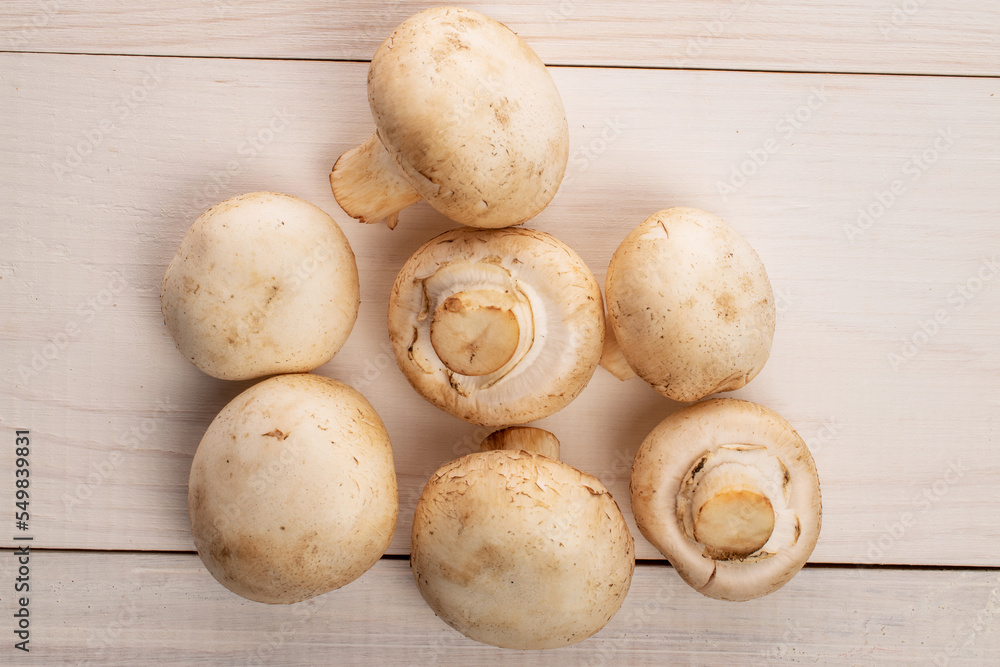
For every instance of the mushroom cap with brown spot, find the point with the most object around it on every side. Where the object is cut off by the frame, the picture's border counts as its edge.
(663, 463)
(557, 302)
(262, 283)
(518, 550)
(292, 491)
(690, 304)
(470, 116)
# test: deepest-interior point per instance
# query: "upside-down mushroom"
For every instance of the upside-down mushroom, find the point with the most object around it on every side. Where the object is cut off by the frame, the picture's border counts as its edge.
(728, 492)
(292, 491)
(262, 283)
(496, 326)
(466, 117)
(690, 306)
(513, 548)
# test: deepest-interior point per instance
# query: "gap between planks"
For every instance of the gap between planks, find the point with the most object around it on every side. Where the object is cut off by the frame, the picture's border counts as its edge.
(936, 75)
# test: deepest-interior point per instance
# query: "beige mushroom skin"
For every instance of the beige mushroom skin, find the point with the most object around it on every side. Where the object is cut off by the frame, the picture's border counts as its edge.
(729, 493)
(262, 283)
(467, 118)
(496, 327)
(292, 491)
(690, 305)
(518, 550)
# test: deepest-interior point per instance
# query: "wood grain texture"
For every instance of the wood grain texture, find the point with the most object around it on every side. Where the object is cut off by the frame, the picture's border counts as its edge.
(127, 609)
(899, 36)
(106, 170)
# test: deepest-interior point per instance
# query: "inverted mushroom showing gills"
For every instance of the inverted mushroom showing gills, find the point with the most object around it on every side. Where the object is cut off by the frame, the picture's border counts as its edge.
(689, 306)
(466, 117)
(496, 326)
(513, 548)
(292, 490)
(728, 492)
(262, 283)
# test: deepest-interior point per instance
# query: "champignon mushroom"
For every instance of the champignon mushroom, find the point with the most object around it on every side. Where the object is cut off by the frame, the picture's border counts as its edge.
(496, 327)
(466, 117)
(292, 490)
(513, 548)
(262, 283)
(728, 492)
(690, 306)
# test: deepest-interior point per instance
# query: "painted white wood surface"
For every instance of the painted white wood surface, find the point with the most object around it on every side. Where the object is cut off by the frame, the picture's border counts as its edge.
(107, 161)
(129, 609)
(892, 36)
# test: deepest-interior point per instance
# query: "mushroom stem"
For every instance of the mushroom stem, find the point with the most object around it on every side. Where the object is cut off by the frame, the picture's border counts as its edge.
(475, 332)
(524, 438)
(368, 185)
(732, 517)
(612, 358)
(732, 501)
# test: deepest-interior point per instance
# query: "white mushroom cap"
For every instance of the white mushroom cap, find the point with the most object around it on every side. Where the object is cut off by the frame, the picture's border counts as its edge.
(515, 549)
(467, 117)
(728, 492)
(292, 490)
(262, 283)
(690, 305)
(496, 327)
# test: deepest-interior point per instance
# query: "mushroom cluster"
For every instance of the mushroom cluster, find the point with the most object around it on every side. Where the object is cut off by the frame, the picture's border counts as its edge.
(292, 491)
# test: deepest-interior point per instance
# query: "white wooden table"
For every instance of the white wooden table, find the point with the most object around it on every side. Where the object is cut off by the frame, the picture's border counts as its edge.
(855, 144)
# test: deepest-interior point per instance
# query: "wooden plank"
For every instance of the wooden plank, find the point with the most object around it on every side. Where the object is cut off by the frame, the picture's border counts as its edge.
(126, 609)
(109, 159)
(903, 36)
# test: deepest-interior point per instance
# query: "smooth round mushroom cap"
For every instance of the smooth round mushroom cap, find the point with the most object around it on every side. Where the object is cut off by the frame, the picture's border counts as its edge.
(496, 327)
(470, 116)
(728, 492)
(292, 490)
(690, 304)
(262, 283)
(518, 550)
